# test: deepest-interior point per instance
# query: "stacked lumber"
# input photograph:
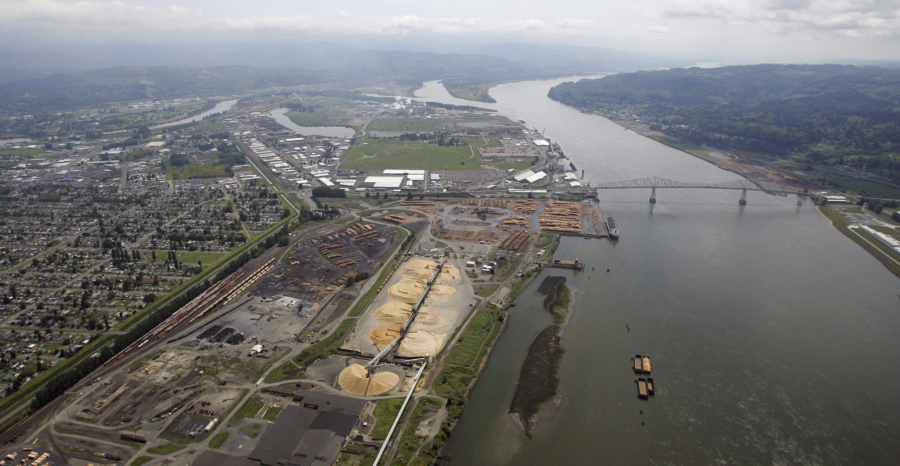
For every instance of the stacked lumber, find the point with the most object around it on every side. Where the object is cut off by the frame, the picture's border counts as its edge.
(561, 216)
(516, 241)
(394, 218)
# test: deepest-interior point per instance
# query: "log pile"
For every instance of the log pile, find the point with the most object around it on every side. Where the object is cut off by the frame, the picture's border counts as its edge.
(516, 241)
(563, 217)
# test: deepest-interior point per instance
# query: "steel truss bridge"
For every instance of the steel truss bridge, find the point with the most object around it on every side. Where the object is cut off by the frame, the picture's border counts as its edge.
(656, 182)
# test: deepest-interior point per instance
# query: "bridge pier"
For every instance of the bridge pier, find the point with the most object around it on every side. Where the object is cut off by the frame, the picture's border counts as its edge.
(653, 196)
(743, 200)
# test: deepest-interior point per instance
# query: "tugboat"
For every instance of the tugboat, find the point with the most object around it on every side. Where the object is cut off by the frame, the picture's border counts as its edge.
(611, 226)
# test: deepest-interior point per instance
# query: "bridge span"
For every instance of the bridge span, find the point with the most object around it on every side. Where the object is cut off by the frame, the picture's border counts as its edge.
(656, 182)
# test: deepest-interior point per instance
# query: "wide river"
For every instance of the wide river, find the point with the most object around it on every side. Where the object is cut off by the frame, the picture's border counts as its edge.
(773, 337)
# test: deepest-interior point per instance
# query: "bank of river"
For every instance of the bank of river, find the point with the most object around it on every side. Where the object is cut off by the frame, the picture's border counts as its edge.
(220, 107)
(538, 381)
(761, 332)
(280, 116)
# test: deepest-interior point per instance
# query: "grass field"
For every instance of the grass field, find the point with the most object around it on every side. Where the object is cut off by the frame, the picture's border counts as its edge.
(327, 118)
(866, 188)
(409, 441)
(192, 171)
(218, 440)
(164, 449)
(385, 412)
(140, 460)
(326, 347)
(286, 371)
(272, 413)
(375, 154)
(411, 124)
(250, 408)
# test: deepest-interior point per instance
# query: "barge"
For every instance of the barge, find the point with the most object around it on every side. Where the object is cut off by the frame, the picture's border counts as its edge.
(642, 389)
(646, 364)
(638, 364)
(611, 226)
(650, 388)
(563, 264)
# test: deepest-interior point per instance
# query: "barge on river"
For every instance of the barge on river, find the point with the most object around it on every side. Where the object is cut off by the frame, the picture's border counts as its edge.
(642, 389)
(562, 264)
(638, 364)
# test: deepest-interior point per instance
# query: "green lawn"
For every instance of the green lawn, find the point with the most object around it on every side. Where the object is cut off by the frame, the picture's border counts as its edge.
(250, 408)
(409, 441)
(385, 413)
(190, 258)
(164, 449)
(866, 188)
(218, 440)
(326, 347)
(272, 413)
(411, 124)
(375, 154)
(141, 460)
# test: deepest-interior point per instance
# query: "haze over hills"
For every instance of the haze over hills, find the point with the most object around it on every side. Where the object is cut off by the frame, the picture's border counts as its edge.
(836, 113)
(64, 76)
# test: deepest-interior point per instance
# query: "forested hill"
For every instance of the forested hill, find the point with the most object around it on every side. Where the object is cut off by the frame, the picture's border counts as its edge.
(822, 112)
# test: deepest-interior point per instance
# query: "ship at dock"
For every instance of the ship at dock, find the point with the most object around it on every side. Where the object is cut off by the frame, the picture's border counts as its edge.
(611, 226)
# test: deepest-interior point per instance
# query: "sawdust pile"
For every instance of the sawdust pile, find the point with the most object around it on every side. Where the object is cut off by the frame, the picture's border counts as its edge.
(385, 334)
(407, 290)
(428, 318)
(449, 272)
(353, 380)
(393, 312)
(420, 343)
(442, 290)
(423, 269)
(420, 268)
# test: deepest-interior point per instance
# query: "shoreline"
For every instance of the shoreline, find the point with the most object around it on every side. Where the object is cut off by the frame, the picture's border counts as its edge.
(538, 381)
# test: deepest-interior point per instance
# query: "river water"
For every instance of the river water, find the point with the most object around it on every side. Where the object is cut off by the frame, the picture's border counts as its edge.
(773, 337)
(280, 116)
(223, 106)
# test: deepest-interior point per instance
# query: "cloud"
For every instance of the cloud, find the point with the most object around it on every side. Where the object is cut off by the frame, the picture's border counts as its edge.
(846, 18)
(576, 23)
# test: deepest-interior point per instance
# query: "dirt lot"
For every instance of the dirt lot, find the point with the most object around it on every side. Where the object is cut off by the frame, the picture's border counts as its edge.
(315, 268)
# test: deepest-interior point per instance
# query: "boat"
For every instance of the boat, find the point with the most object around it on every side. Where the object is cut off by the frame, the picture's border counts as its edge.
(638, 365)
(611, 226)
(642, 389)
(650, 388)
(646, 364)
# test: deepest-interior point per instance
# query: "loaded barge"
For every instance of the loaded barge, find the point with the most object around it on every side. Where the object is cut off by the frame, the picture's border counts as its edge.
(611, 226)
(568, 264)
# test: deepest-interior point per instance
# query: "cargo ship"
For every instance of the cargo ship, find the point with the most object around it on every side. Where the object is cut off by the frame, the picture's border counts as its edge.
(611, 226)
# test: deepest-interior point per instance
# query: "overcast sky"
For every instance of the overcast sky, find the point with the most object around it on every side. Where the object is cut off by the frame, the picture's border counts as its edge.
(735, 30)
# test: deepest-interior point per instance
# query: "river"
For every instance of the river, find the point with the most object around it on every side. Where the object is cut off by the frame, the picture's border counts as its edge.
(772, 335)
(223, 106)
(280, 116)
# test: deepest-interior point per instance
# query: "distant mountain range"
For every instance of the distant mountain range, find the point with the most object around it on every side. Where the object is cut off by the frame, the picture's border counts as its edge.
(826, 112)
(73, 75)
